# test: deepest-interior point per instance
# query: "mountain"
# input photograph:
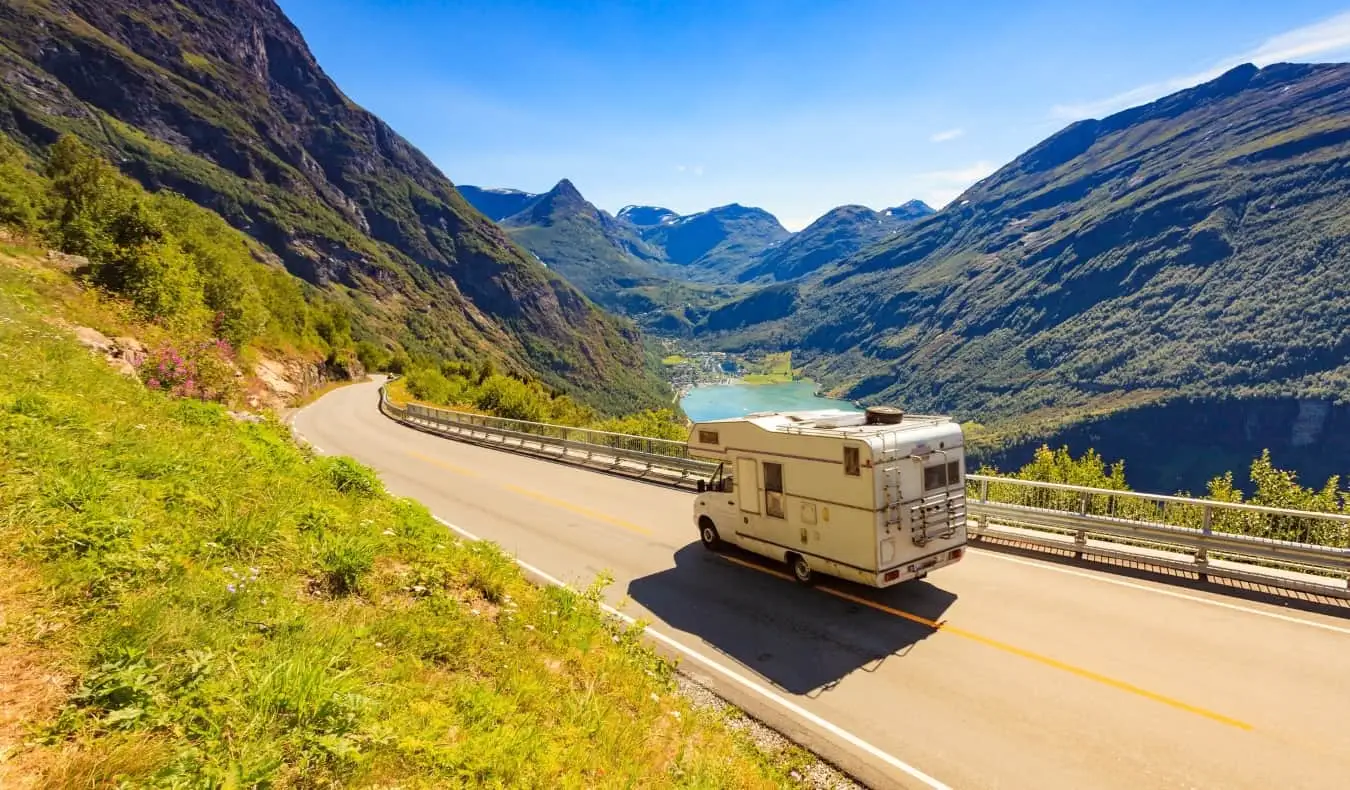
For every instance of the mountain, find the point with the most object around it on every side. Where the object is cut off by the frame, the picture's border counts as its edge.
(838, 234)
(1192, 247)
(647, 216)
(497, 204)
(222, 101)
(597, 253)
(912, 210)
(717, 244)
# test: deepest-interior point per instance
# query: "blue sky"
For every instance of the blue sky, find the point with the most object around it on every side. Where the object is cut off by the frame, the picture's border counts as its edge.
(795, 107)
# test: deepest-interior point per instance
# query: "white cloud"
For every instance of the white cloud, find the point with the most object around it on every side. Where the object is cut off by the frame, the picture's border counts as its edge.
(1311, 42)
(696, 169)
(679, 168)
(949, 134)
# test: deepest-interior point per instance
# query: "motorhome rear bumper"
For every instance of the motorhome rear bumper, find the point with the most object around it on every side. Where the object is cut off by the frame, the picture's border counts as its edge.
(949, 555)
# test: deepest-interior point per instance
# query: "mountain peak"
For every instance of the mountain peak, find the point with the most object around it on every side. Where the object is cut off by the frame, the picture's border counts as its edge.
(909, 210)
(647, 216)
(565, 188)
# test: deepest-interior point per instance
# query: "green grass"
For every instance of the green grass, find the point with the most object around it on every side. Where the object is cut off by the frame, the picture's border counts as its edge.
(217, 607)
(673, 360)
(775, 369)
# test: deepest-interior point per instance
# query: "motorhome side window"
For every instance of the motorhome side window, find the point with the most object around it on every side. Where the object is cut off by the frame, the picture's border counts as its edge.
(851, 464)
(941, 476)
(773, 489)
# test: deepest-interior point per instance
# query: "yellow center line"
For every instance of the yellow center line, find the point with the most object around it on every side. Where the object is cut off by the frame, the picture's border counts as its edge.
(1086, 674)
(444, 465)
(545, 498)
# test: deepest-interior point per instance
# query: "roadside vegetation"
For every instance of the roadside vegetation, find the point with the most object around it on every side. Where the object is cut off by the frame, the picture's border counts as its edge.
(1271, 487)
(482, 389)
(179, 266)
(188, 599)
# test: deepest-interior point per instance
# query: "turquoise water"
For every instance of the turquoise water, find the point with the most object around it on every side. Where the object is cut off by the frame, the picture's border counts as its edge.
(720, 401)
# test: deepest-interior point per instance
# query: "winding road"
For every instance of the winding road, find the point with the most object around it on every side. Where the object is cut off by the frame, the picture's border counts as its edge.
(1008, 670)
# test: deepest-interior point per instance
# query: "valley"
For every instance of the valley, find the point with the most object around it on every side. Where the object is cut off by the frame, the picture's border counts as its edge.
(208, 245)
(1123, 267)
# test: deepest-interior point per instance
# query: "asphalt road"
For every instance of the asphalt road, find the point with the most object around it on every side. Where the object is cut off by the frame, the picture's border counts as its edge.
(1003, 671)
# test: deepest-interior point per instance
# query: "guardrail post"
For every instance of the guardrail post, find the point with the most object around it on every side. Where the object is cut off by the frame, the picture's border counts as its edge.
(1080, 537)
(984, 492)
(1202, 553)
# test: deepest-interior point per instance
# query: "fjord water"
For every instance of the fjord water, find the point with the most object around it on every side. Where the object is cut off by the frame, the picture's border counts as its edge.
(720, 401)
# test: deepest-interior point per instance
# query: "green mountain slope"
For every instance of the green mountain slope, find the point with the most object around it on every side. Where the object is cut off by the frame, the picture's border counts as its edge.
(222, 101)
(1193, 245)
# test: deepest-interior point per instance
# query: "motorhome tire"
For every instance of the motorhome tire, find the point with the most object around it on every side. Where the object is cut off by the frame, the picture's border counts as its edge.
(707, 532)
(801, 569)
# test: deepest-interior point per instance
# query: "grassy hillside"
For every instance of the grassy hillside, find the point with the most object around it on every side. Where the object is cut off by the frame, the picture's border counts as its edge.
(221, 101)
(187, 600)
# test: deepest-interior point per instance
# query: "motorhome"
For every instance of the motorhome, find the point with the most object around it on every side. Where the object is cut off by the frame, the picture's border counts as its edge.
(876, 497)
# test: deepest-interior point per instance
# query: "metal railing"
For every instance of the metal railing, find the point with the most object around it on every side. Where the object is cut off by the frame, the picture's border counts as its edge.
(1280, 548)
(1284, 548)
(636, 456)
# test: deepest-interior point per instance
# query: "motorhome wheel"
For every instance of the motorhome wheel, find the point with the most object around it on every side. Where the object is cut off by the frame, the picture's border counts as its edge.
(708, 533)
(801, 569)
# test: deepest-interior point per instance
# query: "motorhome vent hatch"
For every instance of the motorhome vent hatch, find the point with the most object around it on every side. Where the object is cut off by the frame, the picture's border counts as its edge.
(884, 415)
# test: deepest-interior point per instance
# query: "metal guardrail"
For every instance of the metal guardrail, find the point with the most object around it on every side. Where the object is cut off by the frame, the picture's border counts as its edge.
(1280, 548)
(634, 456)
(1290, 549)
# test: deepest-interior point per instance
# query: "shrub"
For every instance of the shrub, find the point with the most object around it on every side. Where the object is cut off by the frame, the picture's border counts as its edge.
(203, 370)
(344, 560)
(349, 477)
(429, 385)
(371, 356)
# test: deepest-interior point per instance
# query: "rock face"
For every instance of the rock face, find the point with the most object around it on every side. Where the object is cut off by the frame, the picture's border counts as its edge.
(222, 101)
(125, 354)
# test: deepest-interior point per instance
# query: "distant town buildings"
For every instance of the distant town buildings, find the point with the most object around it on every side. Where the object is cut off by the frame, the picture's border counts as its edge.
(689, 369)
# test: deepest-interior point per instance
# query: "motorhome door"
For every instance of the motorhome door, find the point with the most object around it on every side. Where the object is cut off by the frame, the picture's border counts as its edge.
(747, 483)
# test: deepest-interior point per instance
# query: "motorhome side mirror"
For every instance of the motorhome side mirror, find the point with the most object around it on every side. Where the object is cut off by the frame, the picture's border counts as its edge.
(702, 486)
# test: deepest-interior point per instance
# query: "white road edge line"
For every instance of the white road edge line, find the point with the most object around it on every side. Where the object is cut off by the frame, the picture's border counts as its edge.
(741, 680)
(1098, 577)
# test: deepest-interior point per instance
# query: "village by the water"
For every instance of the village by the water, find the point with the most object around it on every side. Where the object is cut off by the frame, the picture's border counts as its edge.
(717, 385)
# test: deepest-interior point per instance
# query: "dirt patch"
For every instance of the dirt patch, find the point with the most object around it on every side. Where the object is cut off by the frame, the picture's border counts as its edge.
(33, 686)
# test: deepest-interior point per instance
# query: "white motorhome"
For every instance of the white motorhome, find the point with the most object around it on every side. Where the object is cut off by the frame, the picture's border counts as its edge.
(877, 497)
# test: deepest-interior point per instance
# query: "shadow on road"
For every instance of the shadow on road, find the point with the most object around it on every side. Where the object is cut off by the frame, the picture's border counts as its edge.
(801, 639)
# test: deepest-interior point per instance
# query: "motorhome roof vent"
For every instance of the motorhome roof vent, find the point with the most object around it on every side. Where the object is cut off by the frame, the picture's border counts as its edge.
(884, 415)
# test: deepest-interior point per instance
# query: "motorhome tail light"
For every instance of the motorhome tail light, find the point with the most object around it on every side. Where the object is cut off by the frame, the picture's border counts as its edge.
(955, 555)
(891, 575)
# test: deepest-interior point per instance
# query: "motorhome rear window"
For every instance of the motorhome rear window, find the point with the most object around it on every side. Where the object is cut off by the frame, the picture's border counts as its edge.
(707, 437)
(941, 476)
(851, 464)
